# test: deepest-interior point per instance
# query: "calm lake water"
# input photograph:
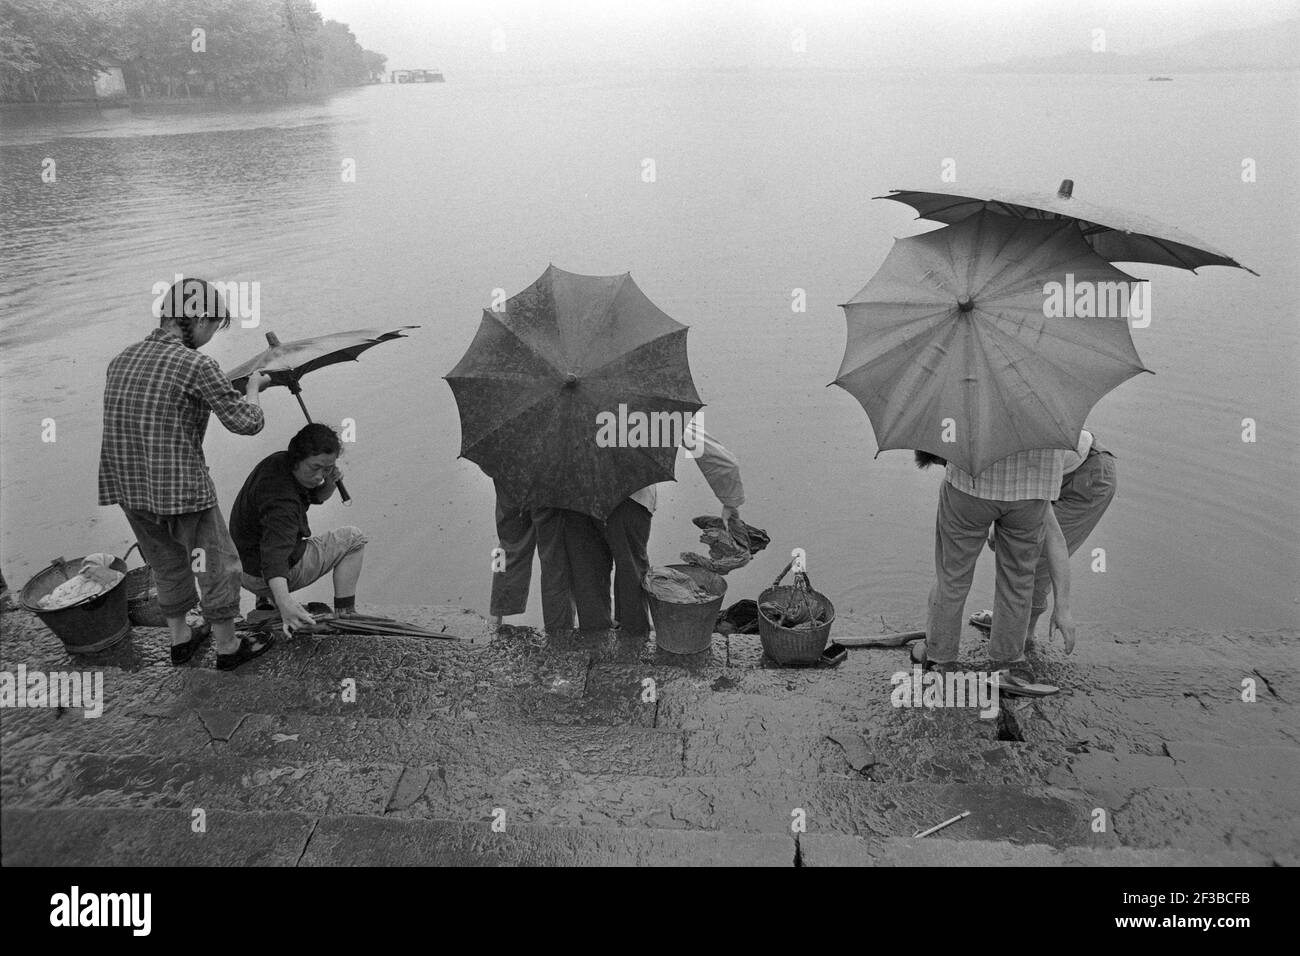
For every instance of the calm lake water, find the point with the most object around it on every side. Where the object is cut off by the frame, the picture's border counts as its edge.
(763, 185)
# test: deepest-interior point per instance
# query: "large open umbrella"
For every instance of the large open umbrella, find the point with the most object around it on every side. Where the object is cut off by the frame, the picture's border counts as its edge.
(287, 362)
(950, 339)
(1116, 235)
(539, 377)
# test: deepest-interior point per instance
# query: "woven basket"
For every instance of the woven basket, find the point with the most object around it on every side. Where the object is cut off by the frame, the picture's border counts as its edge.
(142, 595)
(788, 645)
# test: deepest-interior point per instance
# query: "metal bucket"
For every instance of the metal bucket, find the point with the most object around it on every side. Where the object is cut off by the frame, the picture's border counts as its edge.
(89, 626)
(687, 628)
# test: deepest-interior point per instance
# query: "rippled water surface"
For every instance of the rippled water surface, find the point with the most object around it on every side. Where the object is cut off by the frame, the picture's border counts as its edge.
(763, 185)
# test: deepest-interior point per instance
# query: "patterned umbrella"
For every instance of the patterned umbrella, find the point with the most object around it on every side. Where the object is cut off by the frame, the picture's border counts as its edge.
(566, 354)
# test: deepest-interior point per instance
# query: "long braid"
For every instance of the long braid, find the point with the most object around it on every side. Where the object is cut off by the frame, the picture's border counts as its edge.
(186, 323)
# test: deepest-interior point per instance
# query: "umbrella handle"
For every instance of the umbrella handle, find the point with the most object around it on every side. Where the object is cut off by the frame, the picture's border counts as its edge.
(343, 493)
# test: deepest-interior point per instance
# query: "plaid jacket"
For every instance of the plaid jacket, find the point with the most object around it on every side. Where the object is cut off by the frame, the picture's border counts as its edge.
(1019, 477)
(156, 405)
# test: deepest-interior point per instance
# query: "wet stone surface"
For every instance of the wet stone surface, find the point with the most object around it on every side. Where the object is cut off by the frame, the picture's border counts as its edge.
(600, 748)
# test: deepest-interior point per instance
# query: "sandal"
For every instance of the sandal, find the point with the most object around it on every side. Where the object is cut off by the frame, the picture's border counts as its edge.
(181, 653)
(249, 647)
(982, 619)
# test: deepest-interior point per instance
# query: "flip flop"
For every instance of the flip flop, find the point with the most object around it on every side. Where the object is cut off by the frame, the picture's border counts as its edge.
(982, 620)
(248, 649)
(181, 653)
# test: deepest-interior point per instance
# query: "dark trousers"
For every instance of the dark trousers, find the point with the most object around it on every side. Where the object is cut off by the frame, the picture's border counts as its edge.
(593, 547)
(520, 531)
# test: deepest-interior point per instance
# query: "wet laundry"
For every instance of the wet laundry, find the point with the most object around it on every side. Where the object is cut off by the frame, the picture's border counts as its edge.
(95, 577)
(798, 609)
(731, 544)
(675, 587)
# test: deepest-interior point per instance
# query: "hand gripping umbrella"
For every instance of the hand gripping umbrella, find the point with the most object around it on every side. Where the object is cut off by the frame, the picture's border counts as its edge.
(951, 349)
(539, 377)
(286, 363)
(1116, 235)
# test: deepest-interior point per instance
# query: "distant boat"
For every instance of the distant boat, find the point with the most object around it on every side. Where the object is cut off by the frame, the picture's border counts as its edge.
(1157, 79)
(417, 76)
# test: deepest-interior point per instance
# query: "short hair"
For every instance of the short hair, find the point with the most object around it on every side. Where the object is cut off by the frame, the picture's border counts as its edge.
(924, 459)
(314, 439)
(192, 298)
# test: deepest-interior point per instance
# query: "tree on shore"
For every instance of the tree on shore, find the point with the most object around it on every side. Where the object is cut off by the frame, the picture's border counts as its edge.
(50, 49)
(170, 48)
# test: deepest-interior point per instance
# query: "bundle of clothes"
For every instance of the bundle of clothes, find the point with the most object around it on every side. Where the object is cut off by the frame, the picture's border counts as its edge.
(732, 544)
(95, 577)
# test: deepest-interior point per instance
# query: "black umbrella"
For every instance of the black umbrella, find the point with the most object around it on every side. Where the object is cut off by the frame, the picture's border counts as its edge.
(286, 363)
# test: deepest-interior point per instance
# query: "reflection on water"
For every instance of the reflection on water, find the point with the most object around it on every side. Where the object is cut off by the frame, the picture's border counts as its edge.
(762, 187)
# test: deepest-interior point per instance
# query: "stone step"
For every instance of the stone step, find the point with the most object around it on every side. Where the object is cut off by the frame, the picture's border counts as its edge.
(535, 793)
(150, 837)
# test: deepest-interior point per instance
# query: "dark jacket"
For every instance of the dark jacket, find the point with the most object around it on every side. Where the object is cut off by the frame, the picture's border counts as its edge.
(269, 520)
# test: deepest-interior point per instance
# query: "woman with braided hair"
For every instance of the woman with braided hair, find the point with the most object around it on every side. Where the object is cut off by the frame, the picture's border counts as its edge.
(159, 394)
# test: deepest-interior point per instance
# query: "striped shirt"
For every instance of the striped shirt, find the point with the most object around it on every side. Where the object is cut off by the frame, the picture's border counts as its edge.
(1020, 477)
(156, 403)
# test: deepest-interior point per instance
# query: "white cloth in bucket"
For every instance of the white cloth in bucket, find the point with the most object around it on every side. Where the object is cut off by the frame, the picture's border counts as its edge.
(95, 577)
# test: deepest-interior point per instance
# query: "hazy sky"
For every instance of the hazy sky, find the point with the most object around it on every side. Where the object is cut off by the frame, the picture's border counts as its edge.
(459, 35)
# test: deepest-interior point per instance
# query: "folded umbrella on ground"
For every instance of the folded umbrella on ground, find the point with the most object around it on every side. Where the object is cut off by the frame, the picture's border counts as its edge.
(327, 622)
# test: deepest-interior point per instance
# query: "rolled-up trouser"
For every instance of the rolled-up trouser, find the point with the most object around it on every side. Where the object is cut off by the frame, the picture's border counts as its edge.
(593, 546)
(961, 528)
(185, 547)
(1086, 493)
(321, 555)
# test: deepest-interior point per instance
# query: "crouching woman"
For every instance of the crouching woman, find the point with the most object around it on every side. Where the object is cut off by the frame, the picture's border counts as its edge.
(279, 553)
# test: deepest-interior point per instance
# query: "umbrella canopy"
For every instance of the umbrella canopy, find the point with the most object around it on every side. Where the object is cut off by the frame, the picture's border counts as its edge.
(951, 339)
(286, 362)
(1117, 236)
(532, 384)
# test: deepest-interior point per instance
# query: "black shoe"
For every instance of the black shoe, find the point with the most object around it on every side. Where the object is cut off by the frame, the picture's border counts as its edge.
(250, 646)
(181, 653)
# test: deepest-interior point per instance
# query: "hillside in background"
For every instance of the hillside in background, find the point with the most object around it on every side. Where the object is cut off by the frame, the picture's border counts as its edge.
(1271, 47)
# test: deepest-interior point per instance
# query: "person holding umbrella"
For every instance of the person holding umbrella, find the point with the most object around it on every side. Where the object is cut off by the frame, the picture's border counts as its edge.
(157, 399)
(269, 526)
(542, 372)
(952, 350)
(1012, 495)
